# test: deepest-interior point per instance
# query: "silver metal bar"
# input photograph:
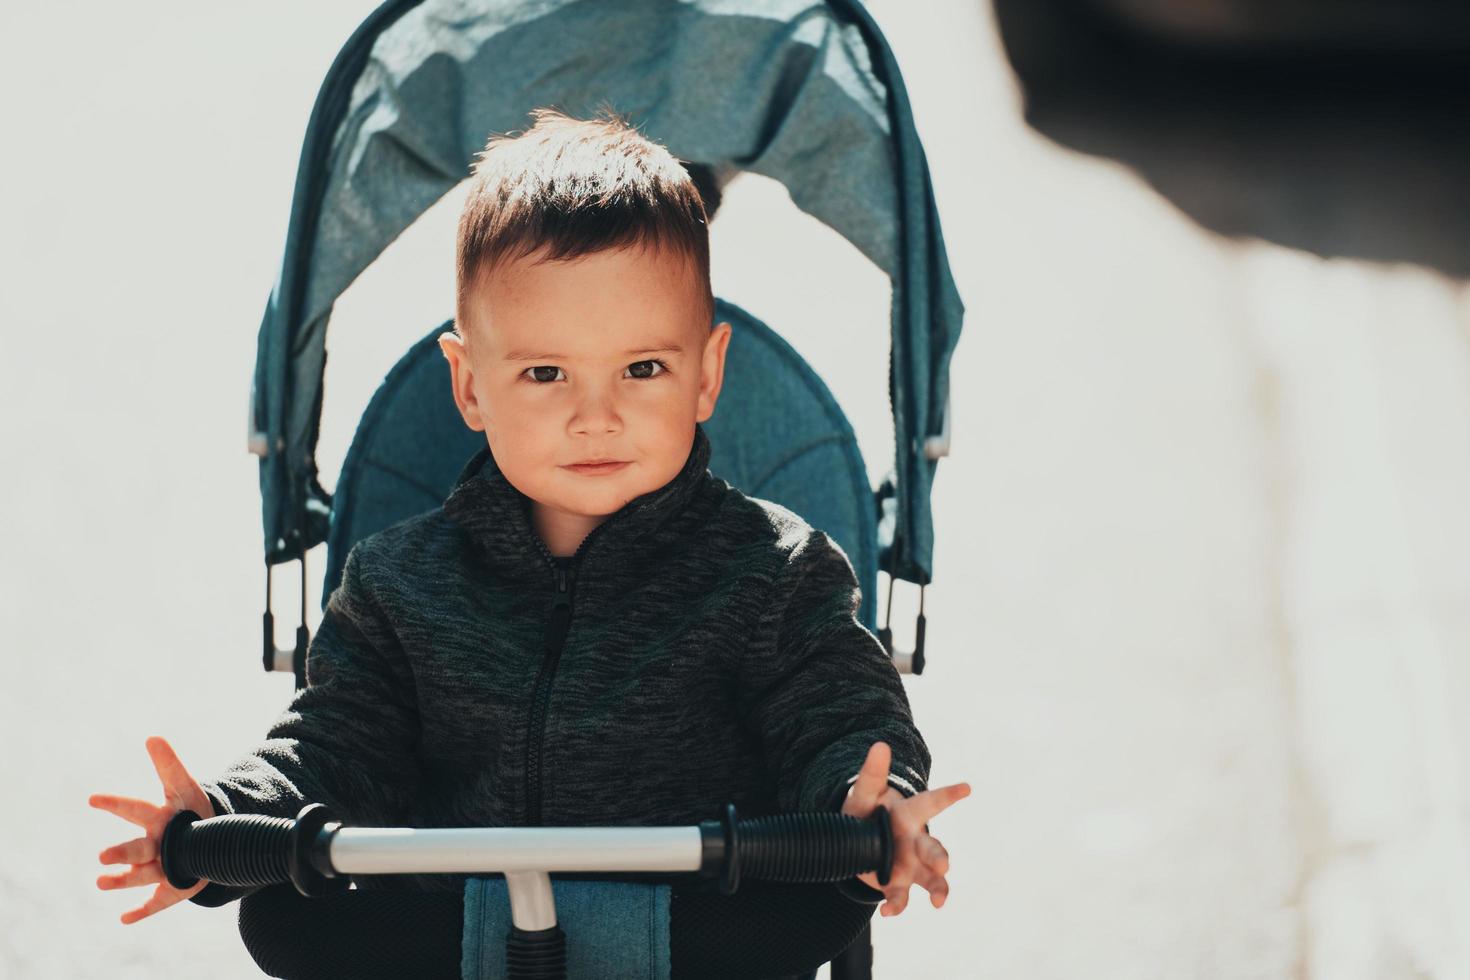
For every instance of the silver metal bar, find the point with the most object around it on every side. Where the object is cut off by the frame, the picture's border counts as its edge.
(477, 850)
(532, 904)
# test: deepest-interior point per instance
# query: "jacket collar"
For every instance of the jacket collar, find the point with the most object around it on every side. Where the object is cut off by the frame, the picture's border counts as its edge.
(498, 516)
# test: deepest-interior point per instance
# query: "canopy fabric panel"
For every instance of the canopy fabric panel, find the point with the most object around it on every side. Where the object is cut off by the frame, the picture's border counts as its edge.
(786, 88)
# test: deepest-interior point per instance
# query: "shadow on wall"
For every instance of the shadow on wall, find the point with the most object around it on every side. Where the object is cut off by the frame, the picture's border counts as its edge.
(1339, 128)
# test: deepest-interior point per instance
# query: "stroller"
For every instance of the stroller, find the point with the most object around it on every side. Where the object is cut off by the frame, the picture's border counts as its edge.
(805, 92)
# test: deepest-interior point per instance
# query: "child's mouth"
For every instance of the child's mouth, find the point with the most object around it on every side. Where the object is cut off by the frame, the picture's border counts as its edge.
(596, 469)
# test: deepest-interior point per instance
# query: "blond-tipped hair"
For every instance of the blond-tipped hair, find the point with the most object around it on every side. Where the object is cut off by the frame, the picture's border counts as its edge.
(573, 187)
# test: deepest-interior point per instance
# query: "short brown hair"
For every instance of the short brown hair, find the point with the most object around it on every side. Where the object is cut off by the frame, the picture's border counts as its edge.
(577, 186)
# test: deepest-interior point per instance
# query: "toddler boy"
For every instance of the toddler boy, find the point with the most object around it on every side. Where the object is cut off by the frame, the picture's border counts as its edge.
(593, 629)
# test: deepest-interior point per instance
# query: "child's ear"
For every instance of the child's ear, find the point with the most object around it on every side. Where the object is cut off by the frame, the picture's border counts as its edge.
(462, 379)
(712, 370)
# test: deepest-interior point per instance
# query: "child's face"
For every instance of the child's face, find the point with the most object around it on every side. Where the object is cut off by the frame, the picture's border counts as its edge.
(558, 367)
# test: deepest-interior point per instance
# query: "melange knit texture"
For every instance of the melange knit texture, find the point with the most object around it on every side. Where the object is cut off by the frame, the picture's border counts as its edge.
(712, 654)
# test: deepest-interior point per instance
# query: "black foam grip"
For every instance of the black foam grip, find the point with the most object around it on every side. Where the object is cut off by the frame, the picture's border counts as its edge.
(815, 847)
(234, 849)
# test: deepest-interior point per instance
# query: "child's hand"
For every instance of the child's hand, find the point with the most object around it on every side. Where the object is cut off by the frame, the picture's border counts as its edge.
(180, 792)
(917, 857)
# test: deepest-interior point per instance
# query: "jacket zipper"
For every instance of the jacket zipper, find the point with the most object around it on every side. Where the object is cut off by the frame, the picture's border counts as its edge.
(563, 583)
(556, 636)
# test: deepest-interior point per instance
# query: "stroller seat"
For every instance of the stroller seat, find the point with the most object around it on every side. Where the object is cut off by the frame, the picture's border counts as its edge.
(777, 433)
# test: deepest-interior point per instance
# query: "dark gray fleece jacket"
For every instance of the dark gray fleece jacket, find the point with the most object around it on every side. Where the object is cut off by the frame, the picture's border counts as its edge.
(701, 647)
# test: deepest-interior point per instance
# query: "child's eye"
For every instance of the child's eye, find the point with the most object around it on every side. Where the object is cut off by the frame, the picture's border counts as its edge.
(538, 377)
(644, 369)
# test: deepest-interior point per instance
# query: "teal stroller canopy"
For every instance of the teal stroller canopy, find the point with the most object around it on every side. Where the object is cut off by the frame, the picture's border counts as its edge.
(807, 93)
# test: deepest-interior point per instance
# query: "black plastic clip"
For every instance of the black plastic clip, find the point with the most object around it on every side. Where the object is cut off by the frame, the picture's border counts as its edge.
(907, 663)
(271, 655)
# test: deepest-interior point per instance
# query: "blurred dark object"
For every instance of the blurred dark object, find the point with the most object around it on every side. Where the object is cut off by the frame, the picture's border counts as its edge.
(1336, 127)
(1375, 25)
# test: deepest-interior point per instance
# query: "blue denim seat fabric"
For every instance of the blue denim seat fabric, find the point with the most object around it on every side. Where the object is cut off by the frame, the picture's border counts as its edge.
(616, 930)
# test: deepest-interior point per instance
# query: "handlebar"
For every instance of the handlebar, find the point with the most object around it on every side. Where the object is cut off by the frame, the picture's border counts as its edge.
(316, 852)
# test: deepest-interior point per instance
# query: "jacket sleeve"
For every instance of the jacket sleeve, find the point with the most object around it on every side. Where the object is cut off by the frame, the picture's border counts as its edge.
(822, 691)
(348, 739)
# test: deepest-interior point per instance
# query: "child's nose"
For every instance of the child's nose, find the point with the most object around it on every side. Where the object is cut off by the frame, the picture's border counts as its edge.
(596, 410)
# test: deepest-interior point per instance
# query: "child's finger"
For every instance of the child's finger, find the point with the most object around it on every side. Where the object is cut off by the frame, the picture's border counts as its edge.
(898, 900)
(934, 855)
(139, 812)
(929, 804)
(901, 876)
(140, 850)
(178, 785)
(935, 885)
(138, 874)
(164, 896)
(872, 781)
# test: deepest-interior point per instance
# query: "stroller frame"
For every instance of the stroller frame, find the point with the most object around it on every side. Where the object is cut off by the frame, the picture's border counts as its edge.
(828, 63)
